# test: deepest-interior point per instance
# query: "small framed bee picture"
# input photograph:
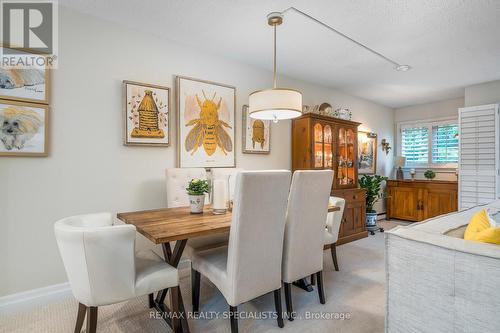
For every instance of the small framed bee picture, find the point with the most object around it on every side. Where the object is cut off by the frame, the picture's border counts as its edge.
(256, 134)
(147, 109)
(205, 123)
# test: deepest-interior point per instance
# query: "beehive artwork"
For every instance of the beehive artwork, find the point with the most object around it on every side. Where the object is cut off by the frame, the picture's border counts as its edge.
(205, 123)
(148, 119)
(256, 134)
(147, 114)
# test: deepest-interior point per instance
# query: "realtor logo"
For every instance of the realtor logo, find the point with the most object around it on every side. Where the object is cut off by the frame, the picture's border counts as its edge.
(28, 26)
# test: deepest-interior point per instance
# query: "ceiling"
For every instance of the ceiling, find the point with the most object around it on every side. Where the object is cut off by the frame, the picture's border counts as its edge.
(450, 44)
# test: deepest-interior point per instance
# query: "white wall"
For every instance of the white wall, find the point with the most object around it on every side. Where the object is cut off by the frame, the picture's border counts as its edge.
(484, 93)
(89, 170)
(441, 109)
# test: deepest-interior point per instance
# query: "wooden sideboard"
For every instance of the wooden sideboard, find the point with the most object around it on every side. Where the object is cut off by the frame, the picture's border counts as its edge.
(417, 200)
(322, 142)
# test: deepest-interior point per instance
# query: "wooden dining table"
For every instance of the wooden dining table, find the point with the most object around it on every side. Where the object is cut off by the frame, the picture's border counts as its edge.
(162, 226)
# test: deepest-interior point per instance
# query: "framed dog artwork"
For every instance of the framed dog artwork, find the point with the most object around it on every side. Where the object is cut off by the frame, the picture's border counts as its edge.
(147, 114)
(205, 123)
(256, 134)
(27, 84)
(23, 128)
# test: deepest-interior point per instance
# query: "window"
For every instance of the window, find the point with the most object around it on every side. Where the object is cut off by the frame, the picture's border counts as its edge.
(415, 144)
(429, 143)
(445, 143)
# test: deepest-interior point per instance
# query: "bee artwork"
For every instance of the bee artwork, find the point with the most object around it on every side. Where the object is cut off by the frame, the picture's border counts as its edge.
(256, 134)
(208, 130)
(205, 123)
(146, 114)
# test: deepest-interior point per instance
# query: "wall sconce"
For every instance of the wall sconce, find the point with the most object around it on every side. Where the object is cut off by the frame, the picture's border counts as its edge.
(386, 146)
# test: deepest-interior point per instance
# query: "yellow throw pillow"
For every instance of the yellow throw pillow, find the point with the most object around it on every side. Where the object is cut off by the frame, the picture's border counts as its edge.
(479, 229)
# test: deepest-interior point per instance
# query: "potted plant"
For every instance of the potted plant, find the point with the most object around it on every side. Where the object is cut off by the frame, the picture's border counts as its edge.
(429, 174)
(196, 190)
(372, 185)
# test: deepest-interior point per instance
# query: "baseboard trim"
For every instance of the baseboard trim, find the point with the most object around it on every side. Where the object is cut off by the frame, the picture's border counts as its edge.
(29, 299)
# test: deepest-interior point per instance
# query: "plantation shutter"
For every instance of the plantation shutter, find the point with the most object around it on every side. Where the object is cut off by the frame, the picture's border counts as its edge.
(478, 160)
(445, 143)
(415, 144)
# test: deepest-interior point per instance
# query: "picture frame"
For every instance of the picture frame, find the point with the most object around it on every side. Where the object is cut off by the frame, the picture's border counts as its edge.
(208, 141)
(256, 133)
(24, 129)
(30, 85)
(367, 153)
(146, 114)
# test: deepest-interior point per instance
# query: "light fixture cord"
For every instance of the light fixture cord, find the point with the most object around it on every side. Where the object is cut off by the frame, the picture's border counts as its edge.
(395, 63)
(274, 57)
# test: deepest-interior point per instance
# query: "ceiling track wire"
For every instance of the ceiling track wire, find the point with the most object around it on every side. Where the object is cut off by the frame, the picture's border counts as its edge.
(298, 11)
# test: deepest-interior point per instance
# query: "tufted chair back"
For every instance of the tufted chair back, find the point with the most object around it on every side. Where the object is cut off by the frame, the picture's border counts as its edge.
(177, 181)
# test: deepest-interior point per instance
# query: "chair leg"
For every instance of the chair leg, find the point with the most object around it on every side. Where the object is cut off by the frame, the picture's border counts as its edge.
(333, 249)
(279, 310)
(233, 316)
(321, 291)
(288, 301)
(313, 279)
(195, 290)
(151, 300)
(82, 309)
(91, 319)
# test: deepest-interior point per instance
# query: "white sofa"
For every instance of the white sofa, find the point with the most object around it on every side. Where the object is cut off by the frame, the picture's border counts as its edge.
(439, 282)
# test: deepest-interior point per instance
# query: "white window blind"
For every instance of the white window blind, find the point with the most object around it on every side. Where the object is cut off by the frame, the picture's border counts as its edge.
(478, 160)
(430, 143)
(415, 144)
(445, 143)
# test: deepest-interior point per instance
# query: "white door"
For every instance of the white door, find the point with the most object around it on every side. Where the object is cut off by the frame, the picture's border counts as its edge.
(479, 155)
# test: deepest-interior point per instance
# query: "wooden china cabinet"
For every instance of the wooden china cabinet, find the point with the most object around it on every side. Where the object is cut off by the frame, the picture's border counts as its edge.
(322, 142)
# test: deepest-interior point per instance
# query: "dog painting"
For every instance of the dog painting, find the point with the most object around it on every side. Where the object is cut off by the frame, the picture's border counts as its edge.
(23, 129)
(25, 84)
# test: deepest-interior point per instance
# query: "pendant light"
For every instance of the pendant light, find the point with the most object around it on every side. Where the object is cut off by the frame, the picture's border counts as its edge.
(275, 103)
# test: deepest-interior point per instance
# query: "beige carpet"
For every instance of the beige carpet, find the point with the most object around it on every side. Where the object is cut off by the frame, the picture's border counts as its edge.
(357, 291)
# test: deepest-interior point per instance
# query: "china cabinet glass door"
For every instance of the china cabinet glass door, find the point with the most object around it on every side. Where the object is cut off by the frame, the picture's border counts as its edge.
(318, 146)
(346, 169)
(328, 149)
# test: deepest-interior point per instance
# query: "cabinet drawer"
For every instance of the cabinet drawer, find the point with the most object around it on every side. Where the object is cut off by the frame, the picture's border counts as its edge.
(350, 196)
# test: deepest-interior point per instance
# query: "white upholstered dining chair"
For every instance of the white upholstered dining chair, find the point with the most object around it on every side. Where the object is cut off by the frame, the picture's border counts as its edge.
(250, 266)
(177, 180)
(102, 265)
(305, 230)
(333, 221)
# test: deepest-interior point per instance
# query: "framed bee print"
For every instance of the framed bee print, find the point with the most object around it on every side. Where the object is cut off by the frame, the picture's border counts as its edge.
(256, 134)
(23, 129)
(205, 123)
(147, 110)
(27, 84)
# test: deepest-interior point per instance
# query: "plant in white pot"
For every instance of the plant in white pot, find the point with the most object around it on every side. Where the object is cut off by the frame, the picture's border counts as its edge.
(196, 190)
(372, 185)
